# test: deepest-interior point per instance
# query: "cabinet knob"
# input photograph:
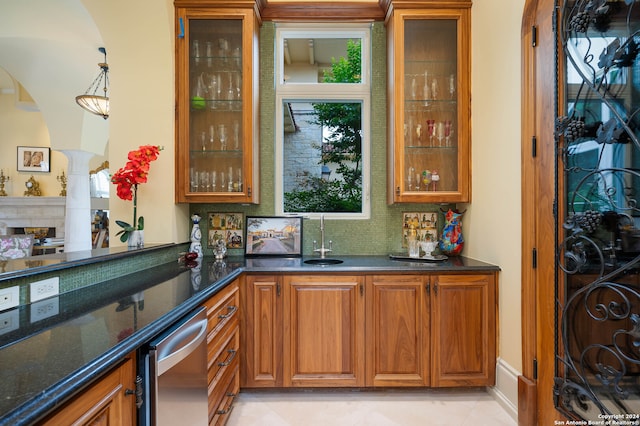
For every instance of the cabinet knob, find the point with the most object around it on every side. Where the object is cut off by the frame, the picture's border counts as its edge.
(397, 190)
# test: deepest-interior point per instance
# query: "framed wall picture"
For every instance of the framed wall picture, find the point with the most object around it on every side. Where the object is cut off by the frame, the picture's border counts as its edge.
(34, 159)
(226, 226)
(274, 236)
(425, 224)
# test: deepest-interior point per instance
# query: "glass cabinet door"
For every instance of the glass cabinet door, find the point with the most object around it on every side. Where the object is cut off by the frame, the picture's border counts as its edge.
(215, 114)
(431, 135)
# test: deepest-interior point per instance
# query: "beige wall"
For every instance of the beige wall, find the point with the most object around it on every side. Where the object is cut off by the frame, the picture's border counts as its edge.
(492, 221)
(139, 37)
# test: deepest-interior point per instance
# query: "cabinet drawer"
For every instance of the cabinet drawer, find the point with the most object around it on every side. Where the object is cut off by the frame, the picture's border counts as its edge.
(224, 354)
(222, 393)
(222, 309)
(223, 412)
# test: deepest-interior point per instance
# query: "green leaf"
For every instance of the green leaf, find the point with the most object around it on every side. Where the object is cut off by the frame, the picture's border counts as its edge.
(124, 237)
(122, 224)
(140, 223)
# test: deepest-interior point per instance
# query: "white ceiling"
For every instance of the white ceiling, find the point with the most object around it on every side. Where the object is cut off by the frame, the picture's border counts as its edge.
(51, 49)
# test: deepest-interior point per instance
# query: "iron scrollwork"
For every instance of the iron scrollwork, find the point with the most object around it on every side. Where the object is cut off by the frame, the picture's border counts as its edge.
(598, 247)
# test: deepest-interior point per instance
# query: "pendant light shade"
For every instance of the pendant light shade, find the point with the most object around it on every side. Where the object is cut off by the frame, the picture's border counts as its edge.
(93, 101)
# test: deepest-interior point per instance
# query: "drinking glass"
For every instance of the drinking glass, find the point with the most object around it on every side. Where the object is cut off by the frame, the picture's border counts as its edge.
(214, 175)
(209, 53)
(230, 188)
(236, 135)
(212, 136)
(239, 187)
(223, 181)
(452, 85)
(195, 51)
(194, 180)
(222, 135)
(447, 132)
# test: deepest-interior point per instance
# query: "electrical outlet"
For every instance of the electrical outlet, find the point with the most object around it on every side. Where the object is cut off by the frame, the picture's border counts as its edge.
(44, 288)
(9, 297)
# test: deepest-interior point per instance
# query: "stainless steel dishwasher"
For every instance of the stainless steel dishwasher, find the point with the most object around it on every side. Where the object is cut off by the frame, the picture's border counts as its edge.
(176, 371)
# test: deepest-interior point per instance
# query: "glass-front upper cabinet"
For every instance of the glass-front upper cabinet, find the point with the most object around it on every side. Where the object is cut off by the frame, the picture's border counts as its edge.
(217, 91)
(429, 110)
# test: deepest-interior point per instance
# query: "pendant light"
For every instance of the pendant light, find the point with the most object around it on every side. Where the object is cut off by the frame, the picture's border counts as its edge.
(93, 102)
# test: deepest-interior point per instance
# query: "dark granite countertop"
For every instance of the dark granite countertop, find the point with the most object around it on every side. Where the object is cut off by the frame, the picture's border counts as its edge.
(51, 349)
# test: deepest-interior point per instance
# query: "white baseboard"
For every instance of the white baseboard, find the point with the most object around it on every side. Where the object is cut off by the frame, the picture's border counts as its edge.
(505, 391)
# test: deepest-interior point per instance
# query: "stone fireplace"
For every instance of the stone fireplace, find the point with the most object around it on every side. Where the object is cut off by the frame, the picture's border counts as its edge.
(17, 213)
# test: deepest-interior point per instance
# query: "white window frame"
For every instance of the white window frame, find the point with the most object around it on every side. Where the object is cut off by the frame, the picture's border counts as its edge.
(313, 92)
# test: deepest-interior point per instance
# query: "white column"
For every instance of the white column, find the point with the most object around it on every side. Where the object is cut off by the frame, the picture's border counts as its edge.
(78, 208)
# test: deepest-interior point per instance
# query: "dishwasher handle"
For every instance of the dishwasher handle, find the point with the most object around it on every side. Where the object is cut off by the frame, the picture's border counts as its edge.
(168, 356)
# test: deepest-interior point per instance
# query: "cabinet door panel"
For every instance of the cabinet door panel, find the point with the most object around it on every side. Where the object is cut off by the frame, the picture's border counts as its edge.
(216, 93)
(397, 331)
(463, 333)
(261, 346)
(429, 71)
(324, 331)
(103, 403)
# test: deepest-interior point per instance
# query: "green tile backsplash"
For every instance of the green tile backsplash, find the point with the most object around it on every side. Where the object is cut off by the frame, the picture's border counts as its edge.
(379, 235)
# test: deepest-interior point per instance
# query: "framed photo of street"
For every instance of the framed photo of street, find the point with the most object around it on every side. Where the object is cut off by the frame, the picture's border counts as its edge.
(34, 159)
(273, 236)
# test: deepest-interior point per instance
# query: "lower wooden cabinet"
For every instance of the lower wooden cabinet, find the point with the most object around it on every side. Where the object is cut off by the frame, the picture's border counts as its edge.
(324, 332)
(463, 330)
(397, 330)
(262, 330)
(223, 345)
(109, 401)
(369, 330)
(322, 344)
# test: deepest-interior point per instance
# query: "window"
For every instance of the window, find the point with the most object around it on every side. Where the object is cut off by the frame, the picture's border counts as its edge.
(323, 120)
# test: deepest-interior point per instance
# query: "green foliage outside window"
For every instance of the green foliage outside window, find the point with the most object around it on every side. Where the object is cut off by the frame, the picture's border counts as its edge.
(342, 146)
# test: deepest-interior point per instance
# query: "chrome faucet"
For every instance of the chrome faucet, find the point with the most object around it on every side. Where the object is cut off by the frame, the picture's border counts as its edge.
(322, 250)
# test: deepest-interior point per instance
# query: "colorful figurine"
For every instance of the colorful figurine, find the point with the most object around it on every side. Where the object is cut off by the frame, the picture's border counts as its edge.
(452, 241)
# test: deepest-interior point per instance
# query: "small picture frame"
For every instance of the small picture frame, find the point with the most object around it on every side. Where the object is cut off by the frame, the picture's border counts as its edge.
(273, 236)
(34, 159)
(226, 226)
(425, 224)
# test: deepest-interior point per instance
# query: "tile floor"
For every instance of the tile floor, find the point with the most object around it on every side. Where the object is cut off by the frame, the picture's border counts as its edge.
(368, 408)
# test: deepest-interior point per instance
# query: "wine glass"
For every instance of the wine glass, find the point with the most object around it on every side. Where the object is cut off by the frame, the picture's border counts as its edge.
(222, 135)
(214, 175)
(214, 90)
(231, 92)
(452, 85)
(434, 89)
(236, 134)
(203, 141)
(230, 189)
(426, 90)
(431, 130)
(194, 180)
(212, 136)
(209, 53)
(239, 188)
(447, 132)
(195, 50)
(440, 132)
(204, 178)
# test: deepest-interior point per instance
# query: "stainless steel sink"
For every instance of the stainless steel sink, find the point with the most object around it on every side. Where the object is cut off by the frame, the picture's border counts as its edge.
(321, 261)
